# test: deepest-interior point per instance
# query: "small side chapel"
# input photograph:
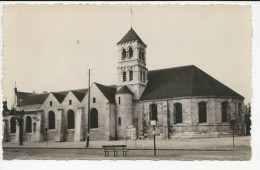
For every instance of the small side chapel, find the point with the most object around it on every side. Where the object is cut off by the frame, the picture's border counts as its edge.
(185, 102)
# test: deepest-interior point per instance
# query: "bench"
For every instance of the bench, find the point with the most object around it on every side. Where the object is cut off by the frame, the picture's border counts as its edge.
(115, 149)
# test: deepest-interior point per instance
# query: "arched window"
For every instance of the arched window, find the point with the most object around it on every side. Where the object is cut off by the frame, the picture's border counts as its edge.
(141, 76)
(94, 100)
(224, 111)
(28, 128)
(94, 118)
(130, 52)
(153, 112)
(202, 112)
(239, 109)
(119, 121)
(123, 54)
(70, 102)
(144, 76)
(130, 75)
(140, 54)
(124, 76)
(71, 119)
(51, 120)
(178, 113)
(12, 125)
(144, 56)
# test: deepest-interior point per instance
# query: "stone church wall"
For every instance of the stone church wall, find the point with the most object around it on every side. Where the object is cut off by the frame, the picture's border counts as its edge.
(66, 107)
(190, 126)
(112, 122)
(51, 133)
(125, 112)
(45, 117)
(103, 107)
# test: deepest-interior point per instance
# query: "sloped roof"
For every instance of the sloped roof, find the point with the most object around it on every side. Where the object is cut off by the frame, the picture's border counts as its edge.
(59, 96)
(63, 92)
(79, 95)
(108, 91)
(184, 81)
(124, 89)
(113, 86)
(84, 91)
(34, 99)
(22, 95)
(131, 35)
(31, 99)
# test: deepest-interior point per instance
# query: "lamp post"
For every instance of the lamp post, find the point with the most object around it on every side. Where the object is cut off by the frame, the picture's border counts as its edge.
(232, 125)
(87, 144)
(153, 123)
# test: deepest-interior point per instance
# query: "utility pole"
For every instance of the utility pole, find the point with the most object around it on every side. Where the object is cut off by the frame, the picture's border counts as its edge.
(87, 144)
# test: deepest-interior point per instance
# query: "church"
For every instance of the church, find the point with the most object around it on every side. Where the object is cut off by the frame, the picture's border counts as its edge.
(184, 101)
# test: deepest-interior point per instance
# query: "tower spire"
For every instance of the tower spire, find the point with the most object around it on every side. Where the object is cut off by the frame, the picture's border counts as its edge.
(131, 13)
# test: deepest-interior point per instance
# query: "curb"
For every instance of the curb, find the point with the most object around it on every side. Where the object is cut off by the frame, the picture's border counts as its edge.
(127, 149)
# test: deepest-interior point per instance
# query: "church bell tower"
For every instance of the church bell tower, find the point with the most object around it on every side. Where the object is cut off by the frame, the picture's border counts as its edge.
(131, 70)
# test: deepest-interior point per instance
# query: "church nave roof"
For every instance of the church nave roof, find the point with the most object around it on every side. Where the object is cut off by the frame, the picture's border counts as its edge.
(182, 82)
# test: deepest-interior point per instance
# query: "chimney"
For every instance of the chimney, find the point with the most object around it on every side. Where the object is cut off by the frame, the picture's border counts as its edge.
(5, 108)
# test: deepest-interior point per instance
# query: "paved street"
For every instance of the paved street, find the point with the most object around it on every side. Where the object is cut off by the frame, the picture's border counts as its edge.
(97, 154)
(176, 149)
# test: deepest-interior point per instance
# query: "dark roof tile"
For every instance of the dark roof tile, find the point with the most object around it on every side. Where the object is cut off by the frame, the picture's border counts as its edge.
(79, 95)
(22, 95)
(81, 91)
(131, 36)
(34, 99)
(59, 96)
(108, 91)
(184, 81)
(124, 89)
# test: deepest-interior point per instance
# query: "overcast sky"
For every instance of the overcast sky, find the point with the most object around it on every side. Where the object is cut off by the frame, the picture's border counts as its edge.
(50, 48)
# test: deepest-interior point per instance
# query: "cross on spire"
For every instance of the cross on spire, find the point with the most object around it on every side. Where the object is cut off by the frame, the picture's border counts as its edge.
(131, 11)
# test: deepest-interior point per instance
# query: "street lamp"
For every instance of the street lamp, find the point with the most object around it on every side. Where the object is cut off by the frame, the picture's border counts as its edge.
(232, 126)
(153, 123)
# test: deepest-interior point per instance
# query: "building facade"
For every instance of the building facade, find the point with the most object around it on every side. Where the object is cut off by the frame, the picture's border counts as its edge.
(184, 101)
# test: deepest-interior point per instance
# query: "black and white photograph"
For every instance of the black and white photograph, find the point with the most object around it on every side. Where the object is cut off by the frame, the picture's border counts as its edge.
(127, 82)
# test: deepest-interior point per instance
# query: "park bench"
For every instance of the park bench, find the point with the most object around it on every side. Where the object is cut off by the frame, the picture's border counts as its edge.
(115, 149)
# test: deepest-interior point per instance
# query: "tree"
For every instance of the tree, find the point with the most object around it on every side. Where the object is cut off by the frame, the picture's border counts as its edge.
(18, 115)
(248, 119)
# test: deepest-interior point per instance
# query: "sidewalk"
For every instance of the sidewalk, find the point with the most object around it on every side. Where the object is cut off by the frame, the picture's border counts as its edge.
(241, 143)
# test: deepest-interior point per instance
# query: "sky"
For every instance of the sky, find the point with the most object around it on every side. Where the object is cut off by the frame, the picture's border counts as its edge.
(51, 47)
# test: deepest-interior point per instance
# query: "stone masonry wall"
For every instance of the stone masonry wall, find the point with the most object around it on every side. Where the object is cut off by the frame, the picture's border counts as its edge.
(125, 112)
(103, 107)
(45, 117)
(190, 126)
(66, 106)
(112, 122)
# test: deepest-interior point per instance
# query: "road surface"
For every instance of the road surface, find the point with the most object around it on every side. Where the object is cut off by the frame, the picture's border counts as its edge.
(98, 154)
